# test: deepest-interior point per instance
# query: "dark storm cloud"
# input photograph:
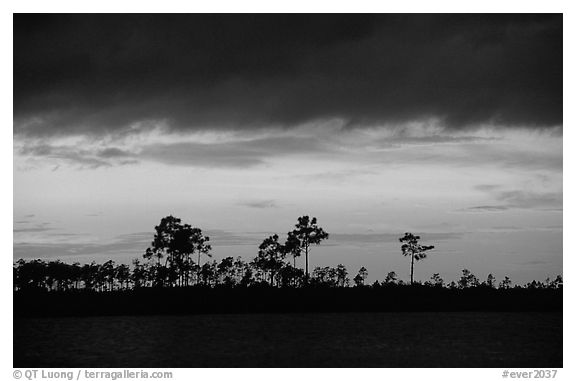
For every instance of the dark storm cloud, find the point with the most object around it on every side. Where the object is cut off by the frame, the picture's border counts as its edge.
(94, 74)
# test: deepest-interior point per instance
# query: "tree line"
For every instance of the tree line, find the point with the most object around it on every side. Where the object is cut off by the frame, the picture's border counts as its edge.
(179, 257)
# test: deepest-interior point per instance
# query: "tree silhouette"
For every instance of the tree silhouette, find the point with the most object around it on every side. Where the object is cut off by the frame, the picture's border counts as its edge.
(325, 276)
(411, 248)
(307, 233)
(490, 281)
(187, 242)
(170, 264)
(199, 244)
(361, 276)
(436, 280)
(292, 246)
(342, 276)
(558, 282)
(225, 271)
(123, 275)
(161, 246)
(242, 272)
(268, 267)
(31, 275)
(391, 278)
(139, 274)
(468, 280)
(505, 283)
(56, 276)
(290, 276)
(88, 275)
(270, 258)
(176, 243)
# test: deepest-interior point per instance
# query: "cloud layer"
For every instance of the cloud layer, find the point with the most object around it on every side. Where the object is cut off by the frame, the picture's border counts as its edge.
(100, 74)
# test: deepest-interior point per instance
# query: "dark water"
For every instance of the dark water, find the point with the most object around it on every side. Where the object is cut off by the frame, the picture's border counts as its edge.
(436, 339)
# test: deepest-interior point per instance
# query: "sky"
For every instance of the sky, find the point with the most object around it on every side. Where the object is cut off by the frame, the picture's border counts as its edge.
(447, 126)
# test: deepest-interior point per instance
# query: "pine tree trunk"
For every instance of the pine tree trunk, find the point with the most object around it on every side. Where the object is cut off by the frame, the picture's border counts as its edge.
(198, 275)
(307, 274)
(412, 270)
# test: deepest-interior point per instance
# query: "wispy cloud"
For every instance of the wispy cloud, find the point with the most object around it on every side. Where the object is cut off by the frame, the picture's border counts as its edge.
(517, 199)
(372, 238)
(202, 155)
(259, 204)
(237, 152)
(338, 177)
(81, 157)
(488, 208)
(113, 152)
(402, 138)
(487, 187)
(532, 200)
(34, 229)
(133, 244)
(535, 262)
(227, 238)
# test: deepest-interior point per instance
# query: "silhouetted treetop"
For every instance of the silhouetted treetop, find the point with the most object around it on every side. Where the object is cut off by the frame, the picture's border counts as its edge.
(411, 248)
(306, 233)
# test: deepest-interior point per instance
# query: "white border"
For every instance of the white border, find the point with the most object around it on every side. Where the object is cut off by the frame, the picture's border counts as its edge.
(70, 6)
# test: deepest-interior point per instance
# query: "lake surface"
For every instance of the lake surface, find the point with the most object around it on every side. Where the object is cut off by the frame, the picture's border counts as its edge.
(412, 339)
